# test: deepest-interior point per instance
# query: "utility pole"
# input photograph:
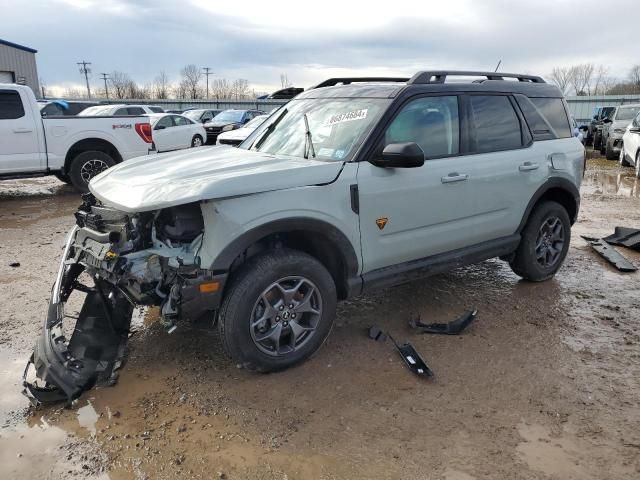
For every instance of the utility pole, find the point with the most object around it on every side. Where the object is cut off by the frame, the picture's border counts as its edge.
(105, 77)
(207, 72)
(85, 71)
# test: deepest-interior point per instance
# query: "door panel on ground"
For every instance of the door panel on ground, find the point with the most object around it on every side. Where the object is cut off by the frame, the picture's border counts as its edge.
(19, 140)
(407, 214)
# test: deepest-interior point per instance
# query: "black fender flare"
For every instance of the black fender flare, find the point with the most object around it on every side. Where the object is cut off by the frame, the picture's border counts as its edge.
(552, 183)
(222, 263)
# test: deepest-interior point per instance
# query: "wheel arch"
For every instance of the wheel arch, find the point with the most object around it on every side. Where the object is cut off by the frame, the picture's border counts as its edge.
(558, 190)
(320, 239)
(89, 144)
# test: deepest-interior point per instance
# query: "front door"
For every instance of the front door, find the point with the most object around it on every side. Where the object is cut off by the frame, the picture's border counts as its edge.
(19, 140)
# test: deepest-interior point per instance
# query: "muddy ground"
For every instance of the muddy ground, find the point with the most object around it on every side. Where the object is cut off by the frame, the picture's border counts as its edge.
(545, 384)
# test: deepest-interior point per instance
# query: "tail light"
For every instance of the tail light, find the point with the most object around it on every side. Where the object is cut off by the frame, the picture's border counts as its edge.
(144, 130)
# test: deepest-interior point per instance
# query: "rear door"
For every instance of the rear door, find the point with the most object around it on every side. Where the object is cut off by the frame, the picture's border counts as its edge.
(19, 142)
(163, 135)
(183, 130)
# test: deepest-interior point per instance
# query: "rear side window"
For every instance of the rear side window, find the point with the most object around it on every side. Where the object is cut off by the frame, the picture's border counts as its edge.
(552, 109)
(156, 109)
(10, 105)
(497, 126)
(135, 111)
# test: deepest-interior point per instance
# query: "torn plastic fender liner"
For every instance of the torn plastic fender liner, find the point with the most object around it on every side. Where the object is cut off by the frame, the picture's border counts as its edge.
(97, 345)
(614, 257)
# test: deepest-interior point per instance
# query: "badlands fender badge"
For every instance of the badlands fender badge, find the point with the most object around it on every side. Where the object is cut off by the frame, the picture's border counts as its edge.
(381, 222)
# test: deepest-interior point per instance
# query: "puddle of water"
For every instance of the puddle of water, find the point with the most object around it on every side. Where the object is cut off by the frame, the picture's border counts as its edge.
(623, 184)
(88, 417)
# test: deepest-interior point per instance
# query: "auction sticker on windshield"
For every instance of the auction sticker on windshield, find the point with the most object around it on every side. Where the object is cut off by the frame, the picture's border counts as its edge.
(346, 117)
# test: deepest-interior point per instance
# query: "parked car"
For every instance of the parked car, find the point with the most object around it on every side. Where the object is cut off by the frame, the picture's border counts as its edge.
(201, 115)
(614, 127)
(351, 186)
(630, 151)
(64, 107)
(173, 132)
(228, 120)
(119, 110)
(595, 127)
(73, 149)
(236, 137)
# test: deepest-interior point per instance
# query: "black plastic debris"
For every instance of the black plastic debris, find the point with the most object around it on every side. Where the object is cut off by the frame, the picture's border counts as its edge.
(412, 359)
(14, 264)
(614, 257)
(455, 327)
(376, 334)
(626, 237)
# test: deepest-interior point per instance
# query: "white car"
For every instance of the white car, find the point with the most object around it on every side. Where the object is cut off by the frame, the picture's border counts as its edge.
(630, 151)
(236, 137)
(173, 132)
(118, 110)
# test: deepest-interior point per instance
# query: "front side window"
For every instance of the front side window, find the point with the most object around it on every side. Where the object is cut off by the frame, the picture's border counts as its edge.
(496, 125)
(181, 121)
(431, 122)
(165, 122)
(626, 113)
(10, 105)
(135, 111)
(324, 129)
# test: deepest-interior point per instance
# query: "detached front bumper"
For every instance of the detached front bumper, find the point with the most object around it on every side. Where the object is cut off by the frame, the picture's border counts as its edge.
(95, 351)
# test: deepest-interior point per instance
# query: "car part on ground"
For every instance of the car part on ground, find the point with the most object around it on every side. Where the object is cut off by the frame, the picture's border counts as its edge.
(376, 334)
(627, 237)
(409, 354)
(614, 257)
(455, 327)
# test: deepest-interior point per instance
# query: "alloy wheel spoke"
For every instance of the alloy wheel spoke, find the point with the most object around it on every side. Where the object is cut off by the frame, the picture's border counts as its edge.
(296, 331)
(273, 335)
(305, 305)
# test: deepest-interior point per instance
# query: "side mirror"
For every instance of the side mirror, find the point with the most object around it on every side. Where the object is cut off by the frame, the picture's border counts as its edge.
(160, 127)
(400, 155)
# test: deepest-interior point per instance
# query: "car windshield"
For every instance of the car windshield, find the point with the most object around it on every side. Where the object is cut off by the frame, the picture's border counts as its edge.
(329, 129)
(193, 114)
(229, 116)
(627, 113)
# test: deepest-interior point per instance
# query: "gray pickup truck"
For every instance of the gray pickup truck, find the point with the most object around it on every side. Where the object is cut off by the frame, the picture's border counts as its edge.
(355, 184)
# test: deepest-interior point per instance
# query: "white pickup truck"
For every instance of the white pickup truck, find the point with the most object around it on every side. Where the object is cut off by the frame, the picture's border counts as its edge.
(74, 149)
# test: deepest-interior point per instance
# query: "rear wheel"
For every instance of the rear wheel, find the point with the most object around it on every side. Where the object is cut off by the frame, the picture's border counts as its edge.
(86, 166)
(63, 178)
(544, 243)
(196, 141)
(623, 157)
(596, 140)
(278, 310)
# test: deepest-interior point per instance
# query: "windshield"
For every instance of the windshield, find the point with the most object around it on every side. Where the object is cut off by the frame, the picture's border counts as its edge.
(229, 116)
(336, 128)
(193, 114)
(627, 113)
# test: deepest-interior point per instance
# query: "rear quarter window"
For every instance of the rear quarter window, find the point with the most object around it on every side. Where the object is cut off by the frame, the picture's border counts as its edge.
(552, 109)
(10, 105)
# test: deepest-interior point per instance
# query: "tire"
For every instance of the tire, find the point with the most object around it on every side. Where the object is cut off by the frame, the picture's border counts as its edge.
(63, 178)
(602, 145)
(196, 141)
(638, 164)
(254, 347)
(596, 141)
(86, 166)
(623, 158)
(609, 153)
(526, 263)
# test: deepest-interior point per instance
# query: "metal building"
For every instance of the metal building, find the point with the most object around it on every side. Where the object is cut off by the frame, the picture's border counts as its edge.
(18, 65)
(582, 107)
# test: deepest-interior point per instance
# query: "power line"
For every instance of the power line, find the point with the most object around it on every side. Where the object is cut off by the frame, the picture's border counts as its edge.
(207, 72)
(105, 77)
(85, 71)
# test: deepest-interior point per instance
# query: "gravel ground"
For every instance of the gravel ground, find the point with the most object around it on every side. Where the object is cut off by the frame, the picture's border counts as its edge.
(544, 385)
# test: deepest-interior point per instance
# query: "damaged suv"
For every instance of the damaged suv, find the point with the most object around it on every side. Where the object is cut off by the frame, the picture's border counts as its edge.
(356, 183)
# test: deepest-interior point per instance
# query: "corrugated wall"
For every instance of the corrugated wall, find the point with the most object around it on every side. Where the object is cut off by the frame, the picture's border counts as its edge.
(22, 63)
(582, 107)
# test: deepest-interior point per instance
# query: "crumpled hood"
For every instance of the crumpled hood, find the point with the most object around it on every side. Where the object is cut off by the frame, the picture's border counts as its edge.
(153, 182)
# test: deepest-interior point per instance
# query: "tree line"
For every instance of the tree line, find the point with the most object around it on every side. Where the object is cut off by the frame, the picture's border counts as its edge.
(190, 86)
(590, 79)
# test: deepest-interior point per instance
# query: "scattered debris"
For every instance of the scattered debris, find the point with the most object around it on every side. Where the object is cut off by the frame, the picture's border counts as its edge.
(376, 334)
(610, 254)
(454, 327)
(626, 237)
(413, 359)
(14, 264)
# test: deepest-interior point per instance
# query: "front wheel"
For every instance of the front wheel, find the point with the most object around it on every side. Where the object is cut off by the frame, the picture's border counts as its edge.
(196, 141)
(544, 243)
(278, 310)
(623, 157)
(86, 166)
(609, 153)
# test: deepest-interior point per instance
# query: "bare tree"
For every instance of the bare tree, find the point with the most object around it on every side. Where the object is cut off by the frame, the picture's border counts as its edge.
(634, 78)
(561, 76)
(581, 76)
(221, 88)
(284, 80)
(73, 93)
(120, 84)
(161, 86)
(599, 80)
(240, 89)
(191, 76)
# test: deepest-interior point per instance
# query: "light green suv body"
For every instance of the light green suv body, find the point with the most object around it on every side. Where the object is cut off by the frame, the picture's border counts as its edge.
(354, 184)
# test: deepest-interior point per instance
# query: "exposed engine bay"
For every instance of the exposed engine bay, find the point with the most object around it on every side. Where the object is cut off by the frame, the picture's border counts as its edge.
(150, 258)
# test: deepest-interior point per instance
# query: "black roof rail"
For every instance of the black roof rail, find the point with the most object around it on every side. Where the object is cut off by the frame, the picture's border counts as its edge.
(439, 76)
(347, 80)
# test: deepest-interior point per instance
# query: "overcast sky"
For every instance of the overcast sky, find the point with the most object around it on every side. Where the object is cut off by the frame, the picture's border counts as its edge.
(311, 41)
